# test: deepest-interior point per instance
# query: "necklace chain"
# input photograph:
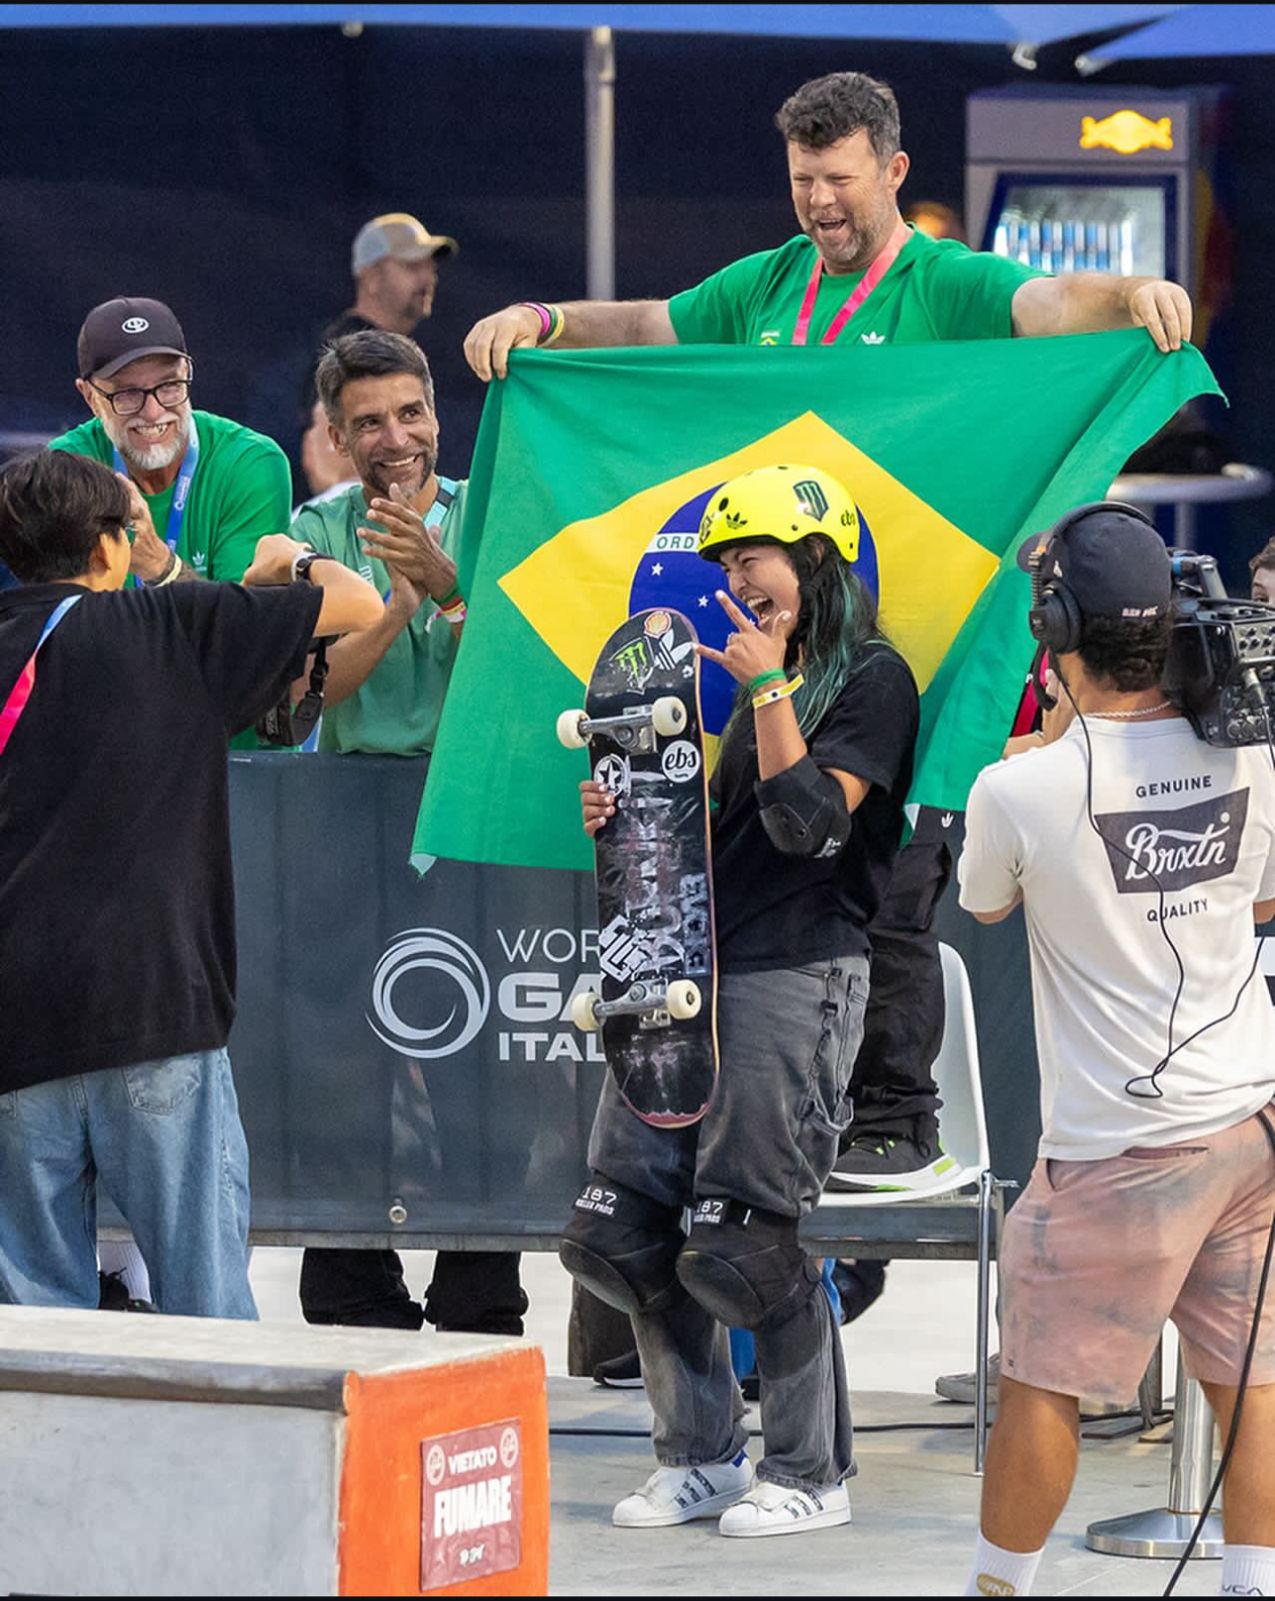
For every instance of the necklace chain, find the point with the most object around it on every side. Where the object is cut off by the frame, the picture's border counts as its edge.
(1140, 711)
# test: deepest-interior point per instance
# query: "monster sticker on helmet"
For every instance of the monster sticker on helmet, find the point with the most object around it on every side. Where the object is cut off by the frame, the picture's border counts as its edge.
(783, 504)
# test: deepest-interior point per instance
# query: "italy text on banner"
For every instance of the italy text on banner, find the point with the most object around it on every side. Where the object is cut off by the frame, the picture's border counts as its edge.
(593, 467)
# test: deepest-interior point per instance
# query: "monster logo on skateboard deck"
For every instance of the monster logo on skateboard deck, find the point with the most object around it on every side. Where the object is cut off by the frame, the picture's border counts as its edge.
(657, 1010)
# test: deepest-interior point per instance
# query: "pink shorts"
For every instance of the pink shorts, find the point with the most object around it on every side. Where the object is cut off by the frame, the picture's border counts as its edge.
(1097, 1256)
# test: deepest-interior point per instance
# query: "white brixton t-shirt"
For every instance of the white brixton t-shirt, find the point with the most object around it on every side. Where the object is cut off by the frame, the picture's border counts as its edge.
(1188, 846)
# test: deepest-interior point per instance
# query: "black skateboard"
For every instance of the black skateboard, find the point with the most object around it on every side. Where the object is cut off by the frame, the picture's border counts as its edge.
(658, 1008)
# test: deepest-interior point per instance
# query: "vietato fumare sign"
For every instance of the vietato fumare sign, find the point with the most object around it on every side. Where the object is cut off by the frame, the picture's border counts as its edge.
(471, 1503)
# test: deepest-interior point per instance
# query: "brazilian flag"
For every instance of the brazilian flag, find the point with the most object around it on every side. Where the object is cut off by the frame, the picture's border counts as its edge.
(592, 470)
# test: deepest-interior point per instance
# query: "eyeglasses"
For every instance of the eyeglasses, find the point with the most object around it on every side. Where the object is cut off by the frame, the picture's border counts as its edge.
(128, 402)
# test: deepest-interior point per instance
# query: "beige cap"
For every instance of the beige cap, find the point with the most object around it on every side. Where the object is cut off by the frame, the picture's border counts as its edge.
(400, 236)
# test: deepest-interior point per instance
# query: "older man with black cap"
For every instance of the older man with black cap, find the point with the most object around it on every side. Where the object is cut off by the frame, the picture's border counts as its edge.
(202, 489)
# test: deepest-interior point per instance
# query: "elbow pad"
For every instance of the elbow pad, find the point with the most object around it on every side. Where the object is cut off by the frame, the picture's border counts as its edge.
(803, 811)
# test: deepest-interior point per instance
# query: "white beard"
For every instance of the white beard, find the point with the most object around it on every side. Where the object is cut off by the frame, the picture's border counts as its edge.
(154, 458)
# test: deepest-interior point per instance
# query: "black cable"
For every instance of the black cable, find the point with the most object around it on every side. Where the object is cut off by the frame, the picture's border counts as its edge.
(574, 1431)
(1240, 1392)
(1111, 844)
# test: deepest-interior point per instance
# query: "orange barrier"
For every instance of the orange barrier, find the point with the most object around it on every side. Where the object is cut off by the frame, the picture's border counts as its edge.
(445, 1483)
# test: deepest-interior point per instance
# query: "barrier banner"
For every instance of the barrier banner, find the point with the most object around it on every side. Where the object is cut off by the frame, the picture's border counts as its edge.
(402, 1052)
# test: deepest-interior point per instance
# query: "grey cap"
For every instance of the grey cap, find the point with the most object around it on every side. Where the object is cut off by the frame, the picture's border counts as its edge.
(398, 236)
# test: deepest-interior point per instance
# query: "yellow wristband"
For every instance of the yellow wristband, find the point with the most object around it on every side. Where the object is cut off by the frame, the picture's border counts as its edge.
(558, 322)
(775, 692)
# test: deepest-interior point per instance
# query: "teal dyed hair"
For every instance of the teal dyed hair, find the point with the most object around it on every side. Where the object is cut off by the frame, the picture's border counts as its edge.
(838, 618)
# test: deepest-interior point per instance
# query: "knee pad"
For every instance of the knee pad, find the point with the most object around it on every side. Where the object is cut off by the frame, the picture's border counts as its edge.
(623, 1246)
(745, 1266)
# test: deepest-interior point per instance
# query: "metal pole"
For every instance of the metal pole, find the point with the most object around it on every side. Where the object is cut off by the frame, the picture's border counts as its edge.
(1164, 1531)
(986, 1185)
(599, 137)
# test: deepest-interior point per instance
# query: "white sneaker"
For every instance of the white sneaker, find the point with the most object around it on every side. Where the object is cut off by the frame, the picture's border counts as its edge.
(776, 1509)
(677, 1495)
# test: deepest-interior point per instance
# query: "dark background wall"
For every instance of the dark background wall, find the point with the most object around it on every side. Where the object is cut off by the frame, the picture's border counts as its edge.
(227, 170)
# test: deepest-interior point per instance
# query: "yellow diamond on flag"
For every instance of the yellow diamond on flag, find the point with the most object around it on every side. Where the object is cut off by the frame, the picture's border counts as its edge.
(575, 588)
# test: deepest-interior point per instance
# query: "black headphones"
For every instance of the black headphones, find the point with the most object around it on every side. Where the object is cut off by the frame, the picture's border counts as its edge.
(1055, 618)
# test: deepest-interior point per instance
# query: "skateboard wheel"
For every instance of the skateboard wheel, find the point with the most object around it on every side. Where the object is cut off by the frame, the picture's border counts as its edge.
(684, 998)
(582, 1013)
(569, 731)
(668, 715)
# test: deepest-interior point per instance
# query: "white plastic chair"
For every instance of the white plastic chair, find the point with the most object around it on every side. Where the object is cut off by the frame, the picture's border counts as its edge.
(968, 1188)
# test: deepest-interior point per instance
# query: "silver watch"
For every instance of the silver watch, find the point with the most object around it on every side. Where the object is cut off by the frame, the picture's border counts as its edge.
(303, 561)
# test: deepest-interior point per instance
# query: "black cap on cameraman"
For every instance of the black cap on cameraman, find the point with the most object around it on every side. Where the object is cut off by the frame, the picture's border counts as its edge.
(124, 330)
(1110, 557)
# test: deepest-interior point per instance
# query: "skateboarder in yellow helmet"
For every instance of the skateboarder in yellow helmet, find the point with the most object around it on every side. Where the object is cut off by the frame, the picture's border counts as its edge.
(814, 768)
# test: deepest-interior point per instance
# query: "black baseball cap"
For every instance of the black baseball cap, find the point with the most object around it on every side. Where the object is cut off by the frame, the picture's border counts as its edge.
(1110, 557)
(123, 330)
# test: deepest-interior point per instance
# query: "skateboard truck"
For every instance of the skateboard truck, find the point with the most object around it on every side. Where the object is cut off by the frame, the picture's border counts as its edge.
(633, 730)
(654, 1005)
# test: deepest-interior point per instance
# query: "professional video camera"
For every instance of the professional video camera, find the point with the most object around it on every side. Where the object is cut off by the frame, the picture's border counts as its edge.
(1221, 663)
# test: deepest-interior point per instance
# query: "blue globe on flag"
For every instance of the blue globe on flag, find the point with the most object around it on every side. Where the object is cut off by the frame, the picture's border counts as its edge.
(672, 574)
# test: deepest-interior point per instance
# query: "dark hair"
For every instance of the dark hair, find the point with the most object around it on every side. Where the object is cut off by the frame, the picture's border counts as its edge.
(1265, 557)
(838, 617)
(1128, 655)
(54, 507)
(832, 108)
(371, 353)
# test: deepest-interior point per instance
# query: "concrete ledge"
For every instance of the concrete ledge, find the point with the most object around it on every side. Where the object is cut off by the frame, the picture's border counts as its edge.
(189, 1456)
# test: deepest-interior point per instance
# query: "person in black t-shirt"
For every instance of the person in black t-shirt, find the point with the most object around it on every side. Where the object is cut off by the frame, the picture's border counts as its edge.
(814, 767)
(117, 937)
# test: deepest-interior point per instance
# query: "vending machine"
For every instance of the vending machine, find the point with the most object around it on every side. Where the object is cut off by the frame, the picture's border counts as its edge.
(1102, 179)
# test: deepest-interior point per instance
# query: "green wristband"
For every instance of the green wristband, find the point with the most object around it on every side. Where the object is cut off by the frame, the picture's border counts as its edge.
(448, 599)
(762, 679)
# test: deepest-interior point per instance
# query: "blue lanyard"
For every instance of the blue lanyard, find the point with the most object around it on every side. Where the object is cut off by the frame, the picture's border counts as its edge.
(181, 493)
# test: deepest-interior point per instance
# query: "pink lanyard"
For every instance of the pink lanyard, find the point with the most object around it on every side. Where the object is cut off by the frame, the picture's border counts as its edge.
(858, 295)
(20, 694)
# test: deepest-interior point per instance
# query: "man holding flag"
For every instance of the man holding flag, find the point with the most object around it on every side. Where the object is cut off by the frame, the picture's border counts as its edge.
(857, 275)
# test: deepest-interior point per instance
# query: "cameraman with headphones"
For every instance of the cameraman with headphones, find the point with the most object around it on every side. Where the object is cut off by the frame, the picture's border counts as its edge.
(1141, 856)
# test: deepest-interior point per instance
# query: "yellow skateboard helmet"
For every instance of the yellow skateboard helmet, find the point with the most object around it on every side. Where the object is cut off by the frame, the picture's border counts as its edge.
(782, 503)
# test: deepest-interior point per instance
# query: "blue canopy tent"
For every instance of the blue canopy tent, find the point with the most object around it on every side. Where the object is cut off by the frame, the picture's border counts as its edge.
(1020, 28)
(969, 24)
(1195, 30)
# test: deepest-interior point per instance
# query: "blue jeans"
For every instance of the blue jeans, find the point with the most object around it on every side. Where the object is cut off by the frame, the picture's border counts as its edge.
(165, 1141)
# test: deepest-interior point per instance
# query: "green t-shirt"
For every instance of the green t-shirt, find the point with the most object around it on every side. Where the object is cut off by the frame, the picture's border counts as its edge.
(241, 489)
(935, 289)
(395, 712)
